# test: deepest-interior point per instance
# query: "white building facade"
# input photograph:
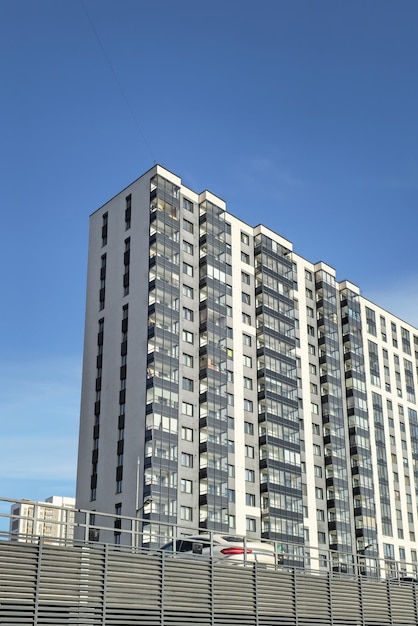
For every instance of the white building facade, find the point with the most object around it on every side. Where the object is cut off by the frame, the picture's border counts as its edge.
(230, 384)
(52, 519)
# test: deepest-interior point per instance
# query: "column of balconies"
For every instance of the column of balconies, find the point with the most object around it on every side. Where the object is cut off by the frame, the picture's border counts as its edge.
(213, 424)
(334, 428)
(161, 427)
(279, 444)
(358, 420)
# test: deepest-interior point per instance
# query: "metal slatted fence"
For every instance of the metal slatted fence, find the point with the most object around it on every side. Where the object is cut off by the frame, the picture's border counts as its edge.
(103, 585)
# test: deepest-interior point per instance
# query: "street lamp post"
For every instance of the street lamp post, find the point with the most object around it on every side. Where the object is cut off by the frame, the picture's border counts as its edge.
(361, 559)
(139, 521)
(137, 524)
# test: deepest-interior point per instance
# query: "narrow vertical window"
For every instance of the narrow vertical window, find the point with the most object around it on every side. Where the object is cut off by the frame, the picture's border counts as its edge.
(128, 201)
(126, 263)
(102, 291)
(104, 229)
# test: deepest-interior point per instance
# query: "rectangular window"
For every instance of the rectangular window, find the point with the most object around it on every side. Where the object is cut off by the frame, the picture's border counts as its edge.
(186, 459)
(249, 475)
(320, 515)
(187, 205)
(251, 524)
(229, 332)
(188, 226)
(246, 340)
(318, 471)
(316, 449)
(309, 311)
(247, 360)
(231, 471)
(250, 499)
(248, 405)
(246, 298)
(187, 360)
(187, 384)
(187, 336)
(246, 319)
(186, 486)
(187, 247)
(104, 228)
(188, 314)
(187, 291)
(187, 408)
(314, 408)
(321, 537)
(311, 330)
(316, 430)
(249, 452)
(309, 293)
(245, 278)
(245, 258)
(186, 513)
(128, 208)
(248, 383)
(371, 321)
(187, 269)
(319, 493)
(311, 349)
(248, 428)
(245, 238)
(186, 433)
(388, 551)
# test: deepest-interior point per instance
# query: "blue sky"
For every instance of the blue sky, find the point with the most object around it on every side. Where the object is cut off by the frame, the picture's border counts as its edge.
(301, 114)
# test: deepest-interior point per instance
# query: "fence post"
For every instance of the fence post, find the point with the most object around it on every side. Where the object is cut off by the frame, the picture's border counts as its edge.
(38, 580)
(105, 565)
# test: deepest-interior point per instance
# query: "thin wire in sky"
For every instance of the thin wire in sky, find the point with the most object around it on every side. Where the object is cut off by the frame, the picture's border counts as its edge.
(115, 76)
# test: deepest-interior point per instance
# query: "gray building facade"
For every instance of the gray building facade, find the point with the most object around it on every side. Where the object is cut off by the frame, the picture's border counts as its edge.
(230, 384)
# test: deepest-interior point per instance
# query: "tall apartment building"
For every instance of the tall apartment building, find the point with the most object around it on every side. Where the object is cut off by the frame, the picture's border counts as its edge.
(52, 519)
(231, 384)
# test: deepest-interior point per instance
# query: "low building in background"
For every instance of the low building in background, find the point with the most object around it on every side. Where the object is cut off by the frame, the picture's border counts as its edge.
(53, 520)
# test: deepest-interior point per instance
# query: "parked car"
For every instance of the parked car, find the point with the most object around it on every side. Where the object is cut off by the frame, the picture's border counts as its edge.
(404, 580)
(226, 548)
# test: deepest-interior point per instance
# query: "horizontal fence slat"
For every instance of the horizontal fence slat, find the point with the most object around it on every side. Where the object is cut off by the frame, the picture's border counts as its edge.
(101, 585)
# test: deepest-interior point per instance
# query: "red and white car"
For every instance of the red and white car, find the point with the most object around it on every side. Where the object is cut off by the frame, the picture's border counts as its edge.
(226, 548)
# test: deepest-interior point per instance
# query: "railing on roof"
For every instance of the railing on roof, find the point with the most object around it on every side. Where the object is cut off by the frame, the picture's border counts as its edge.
(75, 527)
